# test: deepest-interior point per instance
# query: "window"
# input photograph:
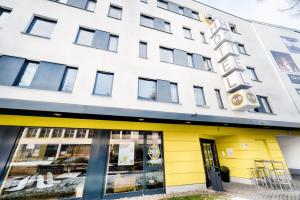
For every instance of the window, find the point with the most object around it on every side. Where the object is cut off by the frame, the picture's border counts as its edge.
(195, 15)
(203, 39)
(147, 21)
(207, 64)
(147, 89)
(41, 27)
(4, 13)
(233, 28)
(199, 96)
(252, 73)
(89, 5)
(69, 133)
(113, 43)
(69, 79)
(155, 23)
(162, 4)
(57, 133)
(187, 33)
(45, 133)
(298, 91)
(190, 60)
(264, 105)
(115, 12)
(144, 1)
(166, 55)
(28, 74)
(103, 84)
(181, 10)
(174, 93)
(143, 50)
(241, 48)
(81, 133)
(97, 39)
(85, 37)
(219, 99)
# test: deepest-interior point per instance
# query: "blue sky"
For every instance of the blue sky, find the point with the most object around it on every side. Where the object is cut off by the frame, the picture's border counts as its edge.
(268, 11)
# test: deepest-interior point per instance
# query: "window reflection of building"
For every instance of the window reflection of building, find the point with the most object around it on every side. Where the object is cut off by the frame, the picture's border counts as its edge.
(48, 165)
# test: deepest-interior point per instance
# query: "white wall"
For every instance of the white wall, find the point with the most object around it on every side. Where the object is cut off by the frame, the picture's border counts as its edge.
(290, 147)
(127, 66)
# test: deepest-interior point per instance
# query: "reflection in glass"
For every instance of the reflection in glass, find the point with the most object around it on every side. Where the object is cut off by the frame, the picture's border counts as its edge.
(28, 74)
(69, 79)
(46, 169)
(147, 89)
(103, 85)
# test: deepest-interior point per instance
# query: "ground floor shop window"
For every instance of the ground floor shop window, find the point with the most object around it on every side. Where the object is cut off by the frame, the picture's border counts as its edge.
(135, 162)
(48, 163)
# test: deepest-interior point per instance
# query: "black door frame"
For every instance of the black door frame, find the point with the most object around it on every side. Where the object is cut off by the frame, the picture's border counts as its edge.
(215, 157)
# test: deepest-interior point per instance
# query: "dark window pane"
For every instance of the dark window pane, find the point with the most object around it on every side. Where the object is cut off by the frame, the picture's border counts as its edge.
(103, 85)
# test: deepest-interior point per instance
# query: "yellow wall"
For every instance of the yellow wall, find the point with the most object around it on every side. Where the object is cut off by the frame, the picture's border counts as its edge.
(183, 158)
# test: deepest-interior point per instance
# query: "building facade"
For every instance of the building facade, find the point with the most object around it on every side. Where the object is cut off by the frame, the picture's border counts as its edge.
(106, 99)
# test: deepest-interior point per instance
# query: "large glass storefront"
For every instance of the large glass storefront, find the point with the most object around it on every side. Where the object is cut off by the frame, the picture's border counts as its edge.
(52, 163)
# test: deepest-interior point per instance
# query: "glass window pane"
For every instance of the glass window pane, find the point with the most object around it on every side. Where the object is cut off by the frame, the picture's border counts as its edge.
(266, 104)
(41, 27)
(91, 5)
(252, 73)
(195, 15)
(103, 85)
(199, 95)
(115, 12)
(187, 33)
(57, 133)
(113, 43)
(45, 133)
(85, 37)
(219, 99)
(147, 21)
(167, 27)
(28, 74)
(69, 133)
(203, 37)
(162, 4)
(190, 60)
(69, 79)
(166, 55)
(4, 16)
(147, 89)
(46, 171)
(174, 93)
(181, 10)
(143, 50)
(207, 64)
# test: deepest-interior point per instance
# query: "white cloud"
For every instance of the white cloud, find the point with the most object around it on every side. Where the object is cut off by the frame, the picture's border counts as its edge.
(267, 11)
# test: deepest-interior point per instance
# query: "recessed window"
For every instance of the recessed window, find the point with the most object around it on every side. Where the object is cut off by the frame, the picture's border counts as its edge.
(252, 73)
(166, 55)
(195, 15)
(45, 133)
(162, 4)
(167, 27)
(89, 5)
(143, 49)
(103, 84)
(187, 33)
(264, 105)
(69, 79)
(199, 96)
(190, 60)
(241, 48)
(144, 1)
(85, 37)
(233, 28)
(115, 12)
(207, 64)
(298, 91)
(203, 39)
(28, 74)
(4, 13)
(113, 43)
(41, 27)
(147, 21)
(181, 10)
(219, 99)
(147, 89)
(174, 93)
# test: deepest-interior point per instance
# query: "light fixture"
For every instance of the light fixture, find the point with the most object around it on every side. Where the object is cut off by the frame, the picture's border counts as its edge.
(141, 119)
(57, 114)
(188, 122)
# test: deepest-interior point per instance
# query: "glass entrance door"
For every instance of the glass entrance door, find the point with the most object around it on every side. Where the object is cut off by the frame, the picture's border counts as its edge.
(135, 163)
(210, 158)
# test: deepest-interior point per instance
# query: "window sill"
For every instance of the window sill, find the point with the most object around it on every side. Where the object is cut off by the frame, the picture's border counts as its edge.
(149, 100)
(114, 17)
(101, 95)
(39, 36)
(94, 47)
(156, 29)
(203, 106)
(71, 6)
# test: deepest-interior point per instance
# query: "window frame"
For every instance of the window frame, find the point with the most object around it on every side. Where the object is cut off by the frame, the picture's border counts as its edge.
(31, 23)
(241, 46)
(22, 72)
(78, 33)
(270, 108)
(219, 99)
(146, 44)
(7, 10)
(189, 31)
(203, 38)
(166, 23)
(233, 28)
(169, 49)
(95, 83)
(147, 99)
(96, 1)
(64, 79)
(203, 95)
(114, 6)
(177, 92)
(253, 72)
